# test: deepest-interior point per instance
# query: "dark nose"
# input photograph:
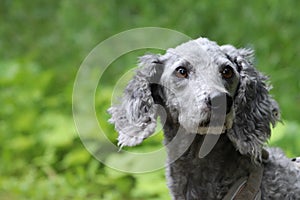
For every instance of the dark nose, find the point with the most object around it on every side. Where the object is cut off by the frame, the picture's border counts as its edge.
(220, 102)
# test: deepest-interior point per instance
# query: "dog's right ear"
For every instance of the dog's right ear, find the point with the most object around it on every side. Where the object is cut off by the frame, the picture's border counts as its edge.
(135, 116)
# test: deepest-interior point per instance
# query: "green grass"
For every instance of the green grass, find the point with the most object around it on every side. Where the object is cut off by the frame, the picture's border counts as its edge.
(42, 45)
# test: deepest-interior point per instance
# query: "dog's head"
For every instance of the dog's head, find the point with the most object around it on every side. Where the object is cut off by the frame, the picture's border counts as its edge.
(205, 88)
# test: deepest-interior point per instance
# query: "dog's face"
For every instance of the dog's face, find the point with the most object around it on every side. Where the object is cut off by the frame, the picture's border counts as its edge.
(205, 88)
(199, 86)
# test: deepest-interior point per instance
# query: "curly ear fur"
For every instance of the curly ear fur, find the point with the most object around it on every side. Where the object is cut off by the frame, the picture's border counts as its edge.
(255, 108)
(135, 116)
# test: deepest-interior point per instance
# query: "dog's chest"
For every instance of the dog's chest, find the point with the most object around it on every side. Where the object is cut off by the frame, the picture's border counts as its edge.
(209, 177)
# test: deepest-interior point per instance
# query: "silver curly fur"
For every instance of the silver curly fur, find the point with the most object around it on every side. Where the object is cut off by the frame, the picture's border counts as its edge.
(188, 107)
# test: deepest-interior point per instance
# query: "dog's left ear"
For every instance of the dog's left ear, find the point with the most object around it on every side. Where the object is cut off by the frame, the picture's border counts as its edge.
(135, 116)
(255, 109)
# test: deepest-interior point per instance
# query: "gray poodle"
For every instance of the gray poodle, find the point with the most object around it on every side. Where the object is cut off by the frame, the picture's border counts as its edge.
(216, 113)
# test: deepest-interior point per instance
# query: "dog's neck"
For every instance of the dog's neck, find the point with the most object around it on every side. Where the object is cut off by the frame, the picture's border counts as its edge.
(200, 175)
(222, 152)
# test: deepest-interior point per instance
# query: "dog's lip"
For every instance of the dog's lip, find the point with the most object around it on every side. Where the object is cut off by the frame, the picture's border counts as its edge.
(204, 124)
(215, 121)
(213, 125)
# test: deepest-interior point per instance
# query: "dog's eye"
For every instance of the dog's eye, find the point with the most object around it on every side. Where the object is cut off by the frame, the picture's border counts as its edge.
(181, 72)
(227, 72)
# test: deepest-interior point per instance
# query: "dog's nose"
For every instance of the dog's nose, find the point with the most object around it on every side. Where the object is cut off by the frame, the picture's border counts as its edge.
(220, 102)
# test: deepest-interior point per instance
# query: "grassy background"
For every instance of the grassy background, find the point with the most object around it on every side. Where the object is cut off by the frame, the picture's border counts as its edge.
(42, 44)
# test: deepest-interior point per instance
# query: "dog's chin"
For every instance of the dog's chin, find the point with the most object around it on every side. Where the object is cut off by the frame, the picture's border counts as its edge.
(209, 129)
(214, 129)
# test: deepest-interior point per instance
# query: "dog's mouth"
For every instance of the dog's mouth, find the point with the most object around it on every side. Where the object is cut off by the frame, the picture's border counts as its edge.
(204, 123)
(207, 122)
(215, 125)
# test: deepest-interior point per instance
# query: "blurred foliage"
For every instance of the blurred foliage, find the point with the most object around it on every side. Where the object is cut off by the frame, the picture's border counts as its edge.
(42, 44)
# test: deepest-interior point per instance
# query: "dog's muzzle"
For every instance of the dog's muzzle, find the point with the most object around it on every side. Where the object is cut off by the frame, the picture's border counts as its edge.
(220, 106)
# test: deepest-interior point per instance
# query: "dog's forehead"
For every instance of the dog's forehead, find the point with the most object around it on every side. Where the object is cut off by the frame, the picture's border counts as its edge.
(199, 51)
